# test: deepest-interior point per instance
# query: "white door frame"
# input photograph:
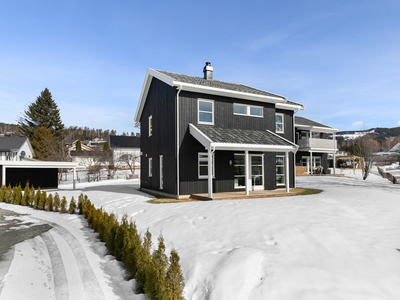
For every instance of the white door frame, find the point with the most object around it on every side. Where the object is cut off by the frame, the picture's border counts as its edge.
(257, 187)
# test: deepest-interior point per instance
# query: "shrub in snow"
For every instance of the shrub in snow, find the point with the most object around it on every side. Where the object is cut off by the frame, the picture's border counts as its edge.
(155, 286)
(120, 235)
(174, 279)
(3, 191)
(31, 197)
(80, 204)
(131, 250)
(37, 199)
(143, 262)
(49, 203)
(72, 206)
(86, 208)
(42, 200)
(17, 195)
(63, 205)
(56, 202)
(26, 196)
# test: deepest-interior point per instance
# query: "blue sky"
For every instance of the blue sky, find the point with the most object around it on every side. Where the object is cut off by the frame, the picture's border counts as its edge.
(339, 58)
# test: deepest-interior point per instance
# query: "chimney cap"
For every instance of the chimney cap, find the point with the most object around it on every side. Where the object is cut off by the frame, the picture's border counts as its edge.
(208, 71)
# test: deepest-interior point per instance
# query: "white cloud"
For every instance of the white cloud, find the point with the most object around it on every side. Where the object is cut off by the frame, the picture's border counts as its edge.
(358, 124)
(398, 123)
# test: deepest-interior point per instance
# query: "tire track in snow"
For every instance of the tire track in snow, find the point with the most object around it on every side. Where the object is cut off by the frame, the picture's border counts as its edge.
(5, 264)
(91, 286)
(59, 276)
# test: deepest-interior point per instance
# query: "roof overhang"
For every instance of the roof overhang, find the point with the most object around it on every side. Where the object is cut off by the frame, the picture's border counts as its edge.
(209, 144)
(280, 102)
(316, 128)
(39, 164)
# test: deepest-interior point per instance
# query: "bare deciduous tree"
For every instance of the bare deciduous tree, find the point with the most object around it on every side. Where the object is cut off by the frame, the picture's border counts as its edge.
(365, 147)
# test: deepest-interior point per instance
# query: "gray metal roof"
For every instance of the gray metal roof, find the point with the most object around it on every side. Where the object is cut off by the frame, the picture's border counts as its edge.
(124, 141)
(11, 143)
(307, 122)
(219, 84)
(241, 136)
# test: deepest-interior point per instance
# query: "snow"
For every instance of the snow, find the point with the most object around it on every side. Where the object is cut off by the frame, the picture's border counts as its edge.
(340, 244)
(354, 135)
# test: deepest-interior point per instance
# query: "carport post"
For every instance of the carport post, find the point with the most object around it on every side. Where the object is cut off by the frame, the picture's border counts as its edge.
(73, 179)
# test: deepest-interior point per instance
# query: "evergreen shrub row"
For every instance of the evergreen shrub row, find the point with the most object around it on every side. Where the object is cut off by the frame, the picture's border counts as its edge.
(156, 275)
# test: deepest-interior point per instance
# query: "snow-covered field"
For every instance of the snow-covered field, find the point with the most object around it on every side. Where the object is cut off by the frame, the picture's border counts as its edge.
(341, 244)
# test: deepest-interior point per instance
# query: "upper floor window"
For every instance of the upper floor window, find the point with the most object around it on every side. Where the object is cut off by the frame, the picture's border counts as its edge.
(205, 110)
(150, 125)
(247, 110)
(279, 128)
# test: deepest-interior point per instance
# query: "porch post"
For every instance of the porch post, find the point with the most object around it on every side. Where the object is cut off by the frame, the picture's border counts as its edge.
(287, 181)
(311, 163)
(210, 168)
(246, 171)
(334, 153)
(73, 179)
(3, 175)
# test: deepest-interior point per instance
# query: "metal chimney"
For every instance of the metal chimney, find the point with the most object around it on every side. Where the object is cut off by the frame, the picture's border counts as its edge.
(208, 71)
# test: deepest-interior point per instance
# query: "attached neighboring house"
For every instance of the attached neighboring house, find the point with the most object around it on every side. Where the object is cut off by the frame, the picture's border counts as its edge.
(15, 149)
(314, 145)
(200, 135)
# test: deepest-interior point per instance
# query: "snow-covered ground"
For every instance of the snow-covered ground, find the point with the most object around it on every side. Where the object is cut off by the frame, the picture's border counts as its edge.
(341, 244)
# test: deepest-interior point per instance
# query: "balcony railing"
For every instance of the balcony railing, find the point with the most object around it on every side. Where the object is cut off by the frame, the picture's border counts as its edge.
(317, 143)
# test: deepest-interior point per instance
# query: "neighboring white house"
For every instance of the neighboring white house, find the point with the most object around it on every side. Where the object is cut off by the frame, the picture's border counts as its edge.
(125, 145)
(15, 149)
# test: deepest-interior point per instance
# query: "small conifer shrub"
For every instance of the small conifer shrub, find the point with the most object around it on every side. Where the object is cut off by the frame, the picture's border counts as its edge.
(56, 202)
(72, 206)
(63, 205)
(49, 203)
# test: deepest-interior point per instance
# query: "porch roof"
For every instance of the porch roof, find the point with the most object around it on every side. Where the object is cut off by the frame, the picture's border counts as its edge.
(218, 138)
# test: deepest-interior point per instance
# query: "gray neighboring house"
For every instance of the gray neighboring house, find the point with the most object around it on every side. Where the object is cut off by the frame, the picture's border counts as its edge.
(15, 149)
(314, 143)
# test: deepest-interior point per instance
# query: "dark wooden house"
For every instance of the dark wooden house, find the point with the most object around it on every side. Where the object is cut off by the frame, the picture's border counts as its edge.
(200, 135)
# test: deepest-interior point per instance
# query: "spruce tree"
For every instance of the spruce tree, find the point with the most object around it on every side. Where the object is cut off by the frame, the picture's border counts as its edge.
(106, 146)
(78, 145)
(42, 113)
(44, 144)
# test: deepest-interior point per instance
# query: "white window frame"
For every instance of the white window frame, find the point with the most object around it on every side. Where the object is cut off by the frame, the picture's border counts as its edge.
(248, 109)
(151, 125)
(161, 172)
(284, 170)
(198, 165)
(237, 176)
(198, 112)
(150, 167)
(283, 123)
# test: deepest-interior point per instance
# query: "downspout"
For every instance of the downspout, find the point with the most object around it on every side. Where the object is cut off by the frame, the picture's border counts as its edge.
(177, 140)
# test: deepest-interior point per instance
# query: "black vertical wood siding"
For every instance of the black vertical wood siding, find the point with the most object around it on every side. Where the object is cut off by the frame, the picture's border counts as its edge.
(161, 105)
(224, 117)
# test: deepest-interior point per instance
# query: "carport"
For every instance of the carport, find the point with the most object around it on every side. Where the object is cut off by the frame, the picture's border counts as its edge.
(43, 174)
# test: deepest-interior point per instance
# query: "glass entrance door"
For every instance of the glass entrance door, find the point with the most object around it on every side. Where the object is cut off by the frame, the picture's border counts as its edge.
(257, 172)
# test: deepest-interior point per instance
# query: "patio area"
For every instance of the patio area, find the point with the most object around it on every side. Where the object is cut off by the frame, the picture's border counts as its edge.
(242, 195)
